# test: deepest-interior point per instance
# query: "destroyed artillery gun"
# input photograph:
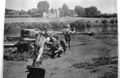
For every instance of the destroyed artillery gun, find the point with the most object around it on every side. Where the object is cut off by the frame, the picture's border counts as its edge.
(25, 42)
(22, 43)
(34, 69)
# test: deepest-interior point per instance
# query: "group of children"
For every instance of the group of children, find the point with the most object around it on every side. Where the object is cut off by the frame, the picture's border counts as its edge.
(50, 41)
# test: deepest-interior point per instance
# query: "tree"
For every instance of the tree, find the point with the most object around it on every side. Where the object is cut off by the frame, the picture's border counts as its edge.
(71, 12)
(60, 11)
(52, 10)
(79, 11)
(34, 12)
(64, 11)
(92, 11)
(112, 21)
(43, 6)
(22, 12)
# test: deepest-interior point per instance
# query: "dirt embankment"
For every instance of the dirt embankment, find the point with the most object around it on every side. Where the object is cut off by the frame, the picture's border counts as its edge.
(75, 63)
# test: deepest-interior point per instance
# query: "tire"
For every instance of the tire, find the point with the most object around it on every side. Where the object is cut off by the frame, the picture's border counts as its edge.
(29, 75)
(36, 73)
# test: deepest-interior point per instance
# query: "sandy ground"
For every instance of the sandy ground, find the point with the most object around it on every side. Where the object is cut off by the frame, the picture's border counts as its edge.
(81, 50)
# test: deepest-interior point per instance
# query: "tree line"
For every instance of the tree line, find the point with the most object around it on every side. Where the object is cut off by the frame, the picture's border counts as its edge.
(44, 6)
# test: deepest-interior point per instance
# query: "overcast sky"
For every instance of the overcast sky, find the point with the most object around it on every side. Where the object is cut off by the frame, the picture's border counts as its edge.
(105, 6)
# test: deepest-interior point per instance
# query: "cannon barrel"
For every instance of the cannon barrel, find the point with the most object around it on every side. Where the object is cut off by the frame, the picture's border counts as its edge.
(10, 45)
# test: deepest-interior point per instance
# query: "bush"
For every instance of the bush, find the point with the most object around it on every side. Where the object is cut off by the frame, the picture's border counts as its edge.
(15, 28)
(11, 28)
(116, 21)
(96, 21)
(109, 28)
(79, 25)
(104, 27)
(41, 25)
(112, 21)
(104, 21)
(13, 55)
(58, 25)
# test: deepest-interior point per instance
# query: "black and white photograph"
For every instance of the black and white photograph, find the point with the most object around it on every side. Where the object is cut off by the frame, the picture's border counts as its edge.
(60, 39)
